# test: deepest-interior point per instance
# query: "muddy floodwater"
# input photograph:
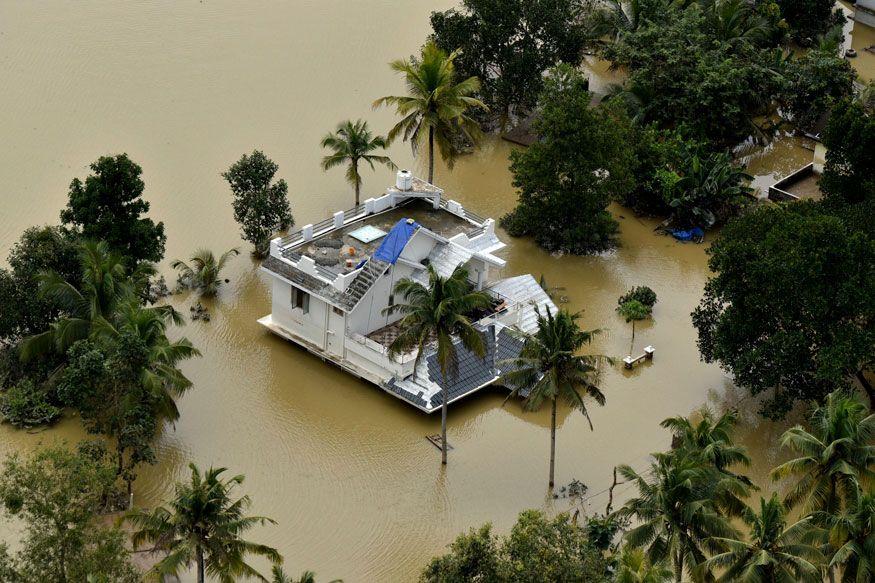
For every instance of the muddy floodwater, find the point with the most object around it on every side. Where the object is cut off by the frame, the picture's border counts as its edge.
(185, 88)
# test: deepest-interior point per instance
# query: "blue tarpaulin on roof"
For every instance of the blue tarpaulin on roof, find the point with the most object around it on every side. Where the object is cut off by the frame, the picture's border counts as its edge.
(394, 243)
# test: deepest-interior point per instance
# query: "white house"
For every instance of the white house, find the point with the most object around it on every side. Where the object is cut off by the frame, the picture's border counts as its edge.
(333, 280)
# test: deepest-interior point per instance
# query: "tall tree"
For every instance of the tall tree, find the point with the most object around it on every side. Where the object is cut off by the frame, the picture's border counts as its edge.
(675, 512)
(835, 457)
(633, 311)
(550, 368)
(437, 106)
(567, 178)
(774, 551)
(809, 19)
(816, 82)
(851, 535)
(508, 44)
(849, 172)
(351, 143)
(439, 313)
(58, 493)
(772, 313)
(109, 206)
(261, 206)
(203, 525)
(634, 567)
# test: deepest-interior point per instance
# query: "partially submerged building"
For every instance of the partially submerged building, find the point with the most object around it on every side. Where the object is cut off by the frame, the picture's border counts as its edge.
(333, 281)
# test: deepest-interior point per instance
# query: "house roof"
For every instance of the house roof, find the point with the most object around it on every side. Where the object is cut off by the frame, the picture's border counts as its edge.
(308, 282)
(507, 348)
(525, 290)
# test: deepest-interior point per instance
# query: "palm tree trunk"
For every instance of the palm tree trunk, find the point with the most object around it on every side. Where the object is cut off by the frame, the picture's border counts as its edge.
(444, 422)
(200, 564)
(867, 386)
(679, 567)
(431, 155)
(632, 345)
(552, 442)
(358, 184)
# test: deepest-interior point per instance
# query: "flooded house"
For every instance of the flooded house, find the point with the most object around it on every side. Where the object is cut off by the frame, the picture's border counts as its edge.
(333, 282)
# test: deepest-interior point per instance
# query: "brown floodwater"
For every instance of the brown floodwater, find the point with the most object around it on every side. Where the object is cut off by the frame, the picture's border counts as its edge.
(358, 493)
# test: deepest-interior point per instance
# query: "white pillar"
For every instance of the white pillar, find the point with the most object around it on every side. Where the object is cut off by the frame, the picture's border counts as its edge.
(307, 232)
(338, 219)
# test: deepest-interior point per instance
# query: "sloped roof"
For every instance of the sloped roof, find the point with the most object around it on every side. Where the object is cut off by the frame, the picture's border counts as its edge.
(525, 290)
(473, 372)
(507, 348)
(446, 257)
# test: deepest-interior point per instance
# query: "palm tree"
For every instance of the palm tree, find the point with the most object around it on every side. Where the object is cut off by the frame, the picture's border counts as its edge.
(836, 457)
(675, 511)
(439, 313)
(549, 368)
(436, 106)
(635, 568)
(204, 526)
(352, 142)
(105, 284)
(852, 535)
(204, 271)
(279, 576)
(775, 551)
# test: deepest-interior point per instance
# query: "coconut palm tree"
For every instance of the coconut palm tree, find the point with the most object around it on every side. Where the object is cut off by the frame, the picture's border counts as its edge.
(549, 368)
(351, 143)
(203, 525)
(204, 272)
(852, 537)
(436, 106)
(774, 551)
(279, 576)
(105, 285)
(835, 458)
(635, 568)
(439, 313)
(675, 511)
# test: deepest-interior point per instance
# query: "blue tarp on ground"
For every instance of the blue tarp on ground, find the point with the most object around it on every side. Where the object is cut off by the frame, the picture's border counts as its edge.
(394, 243)
(695, 234)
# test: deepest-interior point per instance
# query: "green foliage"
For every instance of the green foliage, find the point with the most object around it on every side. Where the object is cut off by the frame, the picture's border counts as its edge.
(635, 568)
(579, 165)
(549, 368)
(633, 310)
(351, 143)
(790, 305)
(851, 535)
(815, 83)
(849, 172)
(657, 154)
(204, 272)
(108, 207)
(641, 294)
(809, 19)
(437, 107)
(708, 189)
(58, 495)
(203, 525)
(261, 206)
(26, 405)
(537, 549)
(704, 71)
(508, 44)
(279, 576)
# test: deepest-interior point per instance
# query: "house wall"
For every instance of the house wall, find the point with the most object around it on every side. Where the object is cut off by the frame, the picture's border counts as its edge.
(309, 326)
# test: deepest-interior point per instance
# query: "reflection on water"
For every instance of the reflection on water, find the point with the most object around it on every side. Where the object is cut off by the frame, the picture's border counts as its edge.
(185, 88)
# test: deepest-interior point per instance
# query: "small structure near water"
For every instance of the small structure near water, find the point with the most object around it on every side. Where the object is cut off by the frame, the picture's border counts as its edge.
(630, 362)
(799, 185)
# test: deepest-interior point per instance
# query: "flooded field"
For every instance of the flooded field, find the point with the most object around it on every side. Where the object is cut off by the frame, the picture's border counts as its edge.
(185, 88)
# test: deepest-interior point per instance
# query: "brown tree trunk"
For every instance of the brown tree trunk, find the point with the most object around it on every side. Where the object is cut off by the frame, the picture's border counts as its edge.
(444, 426)
(358, 185)
(867, 386)
(552, 442)
(431, 155)
(200, 565)
(632, 345)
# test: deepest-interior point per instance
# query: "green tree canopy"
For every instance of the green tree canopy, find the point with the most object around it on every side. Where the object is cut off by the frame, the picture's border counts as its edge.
(816, 81)
(849, 172)
(579, 165)
(508, 44)
(261, 205)
(109, 206)
(789, 307)
(204, 272)
(809, 19)
(351, 143)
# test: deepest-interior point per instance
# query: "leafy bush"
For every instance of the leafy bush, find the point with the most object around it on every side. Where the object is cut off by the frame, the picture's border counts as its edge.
(26, 405)
(642, 294)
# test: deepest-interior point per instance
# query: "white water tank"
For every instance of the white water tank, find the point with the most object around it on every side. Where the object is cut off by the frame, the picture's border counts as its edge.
(404, 180)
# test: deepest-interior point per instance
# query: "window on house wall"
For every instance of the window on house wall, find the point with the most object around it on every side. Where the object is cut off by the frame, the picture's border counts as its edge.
(337, 310)
(300, 300)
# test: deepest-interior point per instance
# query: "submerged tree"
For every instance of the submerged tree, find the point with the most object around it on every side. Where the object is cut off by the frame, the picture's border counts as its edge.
(352, 143)
(203, 525)
(437, 107)
(633, 311)
(204, 272)
(108, 207)
(550, 369)
(261, 206)
(439, 313)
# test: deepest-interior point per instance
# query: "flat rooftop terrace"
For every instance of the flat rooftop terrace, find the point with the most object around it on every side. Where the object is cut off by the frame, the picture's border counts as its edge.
(800, 185)
(339, 252)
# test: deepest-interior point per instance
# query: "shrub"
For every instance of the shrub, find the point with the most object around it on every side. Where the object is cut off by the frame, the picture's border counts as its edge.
(642, 294)
(26, 405)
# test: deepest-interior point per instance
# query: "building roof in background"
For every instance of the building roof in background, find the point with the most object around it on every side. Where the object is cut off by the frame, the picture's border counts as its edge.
(525, 290)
